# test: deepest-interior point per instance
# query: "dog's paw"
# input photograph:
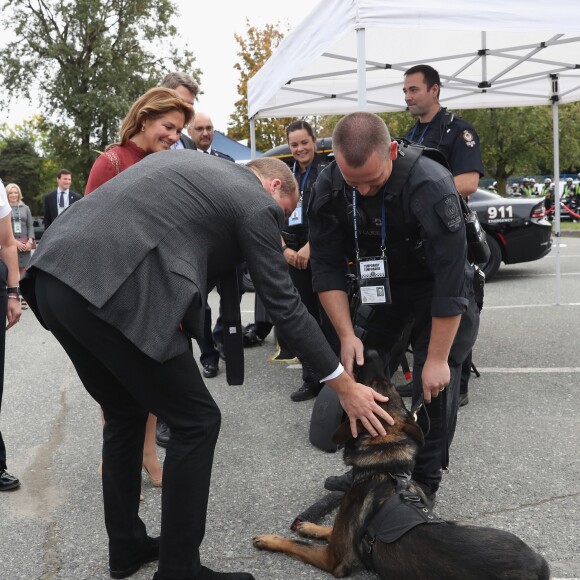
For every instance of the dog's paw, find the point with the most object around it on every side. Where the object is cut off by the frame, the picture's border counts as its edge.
(310, 530)
(267, 541)
(305, 530)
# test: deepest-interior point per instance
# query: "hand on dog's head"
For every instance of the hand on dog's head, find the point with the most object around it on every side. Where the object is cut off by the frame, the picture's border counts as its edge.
(372, 374)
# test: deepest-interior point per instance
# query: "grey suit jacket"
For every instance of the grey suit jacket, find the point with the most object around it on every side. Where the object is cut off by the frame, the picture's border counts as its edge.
(193, 218)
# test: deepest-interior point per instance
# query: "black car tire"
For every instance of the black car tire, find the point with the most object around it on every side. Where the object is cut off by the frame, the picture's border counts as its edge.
(492, 266)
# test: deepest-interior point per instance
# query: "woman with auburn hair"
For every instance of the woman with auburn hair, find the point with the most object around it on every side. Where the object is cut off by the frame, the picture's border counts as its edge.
(154, 123)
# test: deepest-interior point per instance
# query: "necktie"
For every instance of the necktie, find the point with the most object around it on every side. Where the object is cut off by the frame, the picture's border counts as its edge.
(61, 199)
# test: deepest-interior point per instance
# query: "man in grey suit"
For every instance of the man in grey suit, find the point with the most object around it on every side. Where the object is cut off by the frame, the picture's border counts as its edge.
(122, 315)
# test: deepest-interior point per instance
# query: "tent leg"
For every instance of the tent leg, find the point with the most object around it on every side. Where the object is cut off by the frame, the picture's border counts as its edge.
(555, 125)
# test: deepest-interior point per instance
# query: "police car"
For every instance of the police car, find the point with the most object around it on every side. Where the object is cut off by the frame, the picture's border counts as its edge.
(517, 228)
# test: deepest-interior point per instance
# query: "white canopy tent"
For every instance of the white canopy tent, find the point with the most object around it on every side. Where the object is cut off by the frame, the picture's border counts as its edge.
(350, 55)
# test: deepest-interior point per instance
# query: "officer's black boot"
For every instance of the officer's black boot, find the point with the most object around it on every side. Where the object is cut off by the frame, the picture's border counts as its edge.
(340, 482)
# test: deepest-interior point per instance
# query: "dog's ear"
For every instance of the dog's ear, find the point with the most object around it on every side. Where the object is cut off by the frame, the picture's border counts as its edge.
(415, 432)
(343, 433)
(373, 367)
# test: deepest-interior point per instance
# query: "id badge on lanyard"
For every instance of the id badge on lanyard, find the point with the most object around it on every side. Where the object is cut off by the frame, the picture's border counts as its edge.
(17, 222)
(295, 218)
(373, 280)
(373, 272)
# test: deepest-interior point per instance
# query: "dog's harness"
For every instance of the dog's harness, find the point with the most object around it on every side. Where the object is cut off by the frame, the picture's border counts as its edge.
(399, 514)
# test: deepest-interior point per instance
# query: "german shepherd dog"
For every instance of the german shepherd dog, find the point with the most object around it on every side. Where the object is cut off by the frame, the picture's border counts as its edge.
(446, 551)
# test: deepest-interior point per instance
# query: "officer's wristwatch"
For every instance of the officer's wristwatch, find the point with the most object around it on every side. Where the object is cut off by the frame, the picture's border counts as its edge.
(13, 290)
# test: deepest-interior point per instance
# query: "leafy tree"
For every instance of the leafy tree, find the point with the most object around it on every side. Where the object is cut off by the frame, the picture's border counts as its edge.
(255, 49)
(518, 141)
(36, 177)
(20, 163)
(87, 61)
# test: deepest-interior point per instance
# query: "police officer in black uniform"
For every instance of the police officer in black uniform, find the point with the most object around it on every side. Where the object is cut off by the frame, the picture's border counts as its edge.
(403, 229)
(455, 138)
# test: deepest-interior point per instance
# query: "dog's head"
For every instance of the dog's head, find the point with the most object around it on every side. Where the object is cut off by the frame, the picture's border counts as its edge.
(402, 440)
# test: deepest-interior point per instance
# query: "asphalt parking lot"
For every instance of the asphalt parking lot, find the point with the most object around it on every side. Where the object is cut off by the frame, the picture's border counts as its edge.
(515, 461)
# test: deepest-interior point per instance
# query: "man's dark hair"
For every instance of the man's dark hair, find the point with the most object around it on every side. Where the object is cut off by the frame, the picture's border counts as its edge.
(297, 126)
(63, 171)
(430, 75)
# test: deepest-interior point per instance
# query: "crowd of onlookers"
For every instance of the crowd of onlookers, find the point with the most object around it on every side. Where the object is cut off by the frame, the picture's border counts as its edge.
(530, 186)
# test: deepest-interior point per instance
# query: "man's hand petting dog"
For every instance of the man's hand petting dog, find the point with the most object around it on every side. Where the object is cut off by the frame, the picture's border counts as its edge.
(361, 403)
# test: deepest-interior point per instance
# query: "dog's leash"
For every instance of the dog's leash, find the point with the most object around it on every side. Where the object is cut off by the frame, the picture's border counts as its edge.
(415, 410)
(419, 405)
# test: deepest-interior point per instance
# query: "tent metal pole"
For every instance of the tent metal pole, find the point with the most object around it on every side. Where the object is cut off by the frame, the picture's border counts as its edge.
(361, 66)
(484, 57)
(252, 138)
(555, 125)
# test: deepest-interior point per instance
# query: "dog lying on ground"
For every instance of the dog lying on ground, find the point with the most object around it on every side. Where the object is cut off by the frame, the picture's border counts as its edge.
(429, 548)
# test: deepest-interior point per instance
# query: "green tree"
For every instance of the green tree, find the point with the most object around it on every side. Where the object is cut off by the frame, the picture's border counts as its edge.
(87, 61)
(21, 164)
(255, 48)
(519, 141)
(36, 134)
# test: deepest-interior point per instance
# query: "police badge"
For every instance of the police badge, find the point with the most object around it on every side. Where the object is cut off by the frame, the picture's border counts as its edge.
(468, 138)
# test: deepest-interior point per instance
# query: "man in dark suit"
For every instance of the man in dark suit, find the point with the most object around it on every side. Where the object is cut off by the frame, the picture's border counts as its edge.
(201, 131)
(122, 318)
(58, 200)
(184, 85)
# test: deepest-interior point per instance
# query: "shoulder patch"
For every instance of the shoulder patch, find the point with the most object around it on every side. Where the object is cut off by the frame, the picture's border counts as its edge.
(469, 138)
(449, 212)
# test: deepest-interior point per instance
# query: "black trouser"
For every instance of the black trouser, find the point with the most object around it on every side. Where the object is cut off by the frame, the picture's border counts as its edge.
(211, 338)
(302, 280)
(466, 373)
(209, 353)
(384, 329)
(3, 308)
(128, 385)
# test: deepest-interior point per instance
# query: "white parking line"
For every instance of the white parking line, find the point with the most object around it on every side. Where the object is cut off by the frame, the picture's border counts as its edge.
(528, 370)
(562, 274)
(506, 306)
(505, 370)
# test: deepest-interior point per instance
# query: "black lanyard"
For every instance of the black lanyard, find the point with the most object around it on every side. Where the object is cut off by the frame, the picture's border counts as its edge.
(383, 224)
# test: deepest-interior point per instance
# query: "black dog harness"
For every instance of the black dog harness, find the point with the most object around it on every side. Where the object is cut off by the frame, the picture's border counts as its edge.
(399, 514)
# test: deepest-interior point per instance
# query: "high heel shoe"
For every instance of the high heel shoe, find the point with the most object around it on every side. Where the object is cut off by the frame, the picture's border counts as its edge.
(154, 482)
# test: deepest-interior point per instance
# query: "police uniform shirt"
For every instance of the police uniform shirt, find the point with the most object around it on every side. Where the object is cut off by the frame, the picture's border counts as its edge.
(299, 232)
(458, 142)
(434, 212)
